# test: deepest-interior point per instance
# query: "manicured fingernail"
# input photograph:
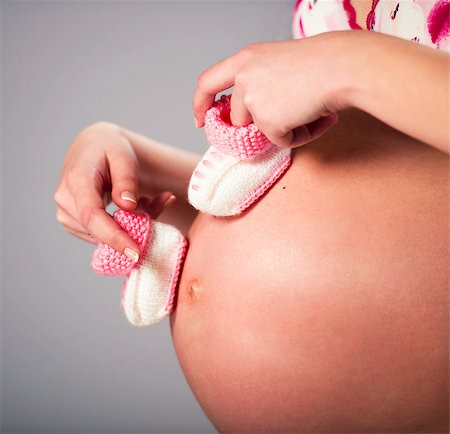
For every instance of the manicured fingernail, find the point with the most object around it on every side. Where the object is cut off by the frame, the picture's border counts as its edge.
(126, 195)
(133, 255)
(195, 123)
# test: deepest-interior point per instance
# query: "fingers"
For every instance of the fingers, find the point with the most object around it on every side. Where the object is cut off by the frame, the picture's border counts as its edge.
(217, 78)
(298, 136)
(70, 223)
(82, 236)
(284, 140)
(239, 114)
(82, 214)
(95, 220)
(73, 227)
(313, 130)
(155, 207)
(124, 169)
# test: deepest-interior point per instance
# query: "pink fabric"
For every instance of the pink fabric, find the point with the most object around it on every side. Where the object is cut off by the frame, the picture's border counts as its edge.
(240, 142)
(138, 225)
(425, 22)
(199, 172)
(439, 22)
(311, 17)
(370, 19)
(109, 261)
(346, 4)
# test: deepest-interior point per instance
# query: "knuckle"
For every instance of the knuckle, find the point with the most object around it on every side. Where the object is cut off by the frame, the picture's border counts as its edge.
(265, 119)
(101, 126)
(247, 51)
(203, 79)
(277, 128)
(280, 132)
(59, 216)
(72, 178)
(116, 239)
(249, 101)
(277, 123)
(240, 79)
(57, 196)
(87, 216)
(127, 182)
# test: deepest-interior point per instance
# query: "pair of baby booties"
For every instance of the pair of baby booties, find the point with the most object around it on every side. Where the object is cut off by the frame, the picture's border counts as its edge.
(240, 165)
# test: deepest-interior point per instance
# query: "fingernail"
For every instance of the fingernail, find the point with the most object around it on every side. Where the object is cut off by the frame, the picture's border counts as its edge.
(195, 123)
(170, 201)
(126, 195)
(132, 254)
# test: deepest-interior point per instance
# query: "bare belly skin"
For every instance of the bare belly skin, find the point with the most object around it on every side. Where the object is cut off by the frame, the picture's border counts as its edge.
(324, 308)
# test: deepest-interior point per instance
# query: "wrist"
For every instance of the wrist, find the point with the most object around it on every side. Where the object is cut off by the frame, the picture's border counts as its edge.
(350, 58)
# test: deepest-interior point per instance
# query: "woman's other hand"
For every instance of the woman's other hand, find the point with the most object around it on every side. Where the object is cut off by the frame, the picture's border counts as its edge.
(292, 90)
(101, 164)
(287, 88)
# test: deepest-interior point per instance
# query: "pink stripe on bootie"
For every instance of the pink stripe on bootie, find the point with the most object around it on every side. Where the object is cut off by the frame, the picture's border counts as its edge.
(238, 168)
(149, 289)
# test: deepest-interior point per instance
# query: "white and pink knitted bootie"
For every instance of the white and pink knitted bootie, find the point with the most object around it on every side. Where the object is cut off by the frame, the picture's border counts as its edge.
(238, 168)
(149, 289)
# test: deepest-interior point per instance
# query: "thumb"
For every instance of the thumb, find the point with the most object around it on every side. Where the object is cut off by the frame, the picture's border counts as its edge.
(124, 170)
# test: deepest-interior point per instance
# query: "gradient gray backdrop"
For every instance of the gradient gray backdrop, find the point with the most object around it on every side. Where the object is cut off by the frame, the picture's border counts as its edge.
(70, 360)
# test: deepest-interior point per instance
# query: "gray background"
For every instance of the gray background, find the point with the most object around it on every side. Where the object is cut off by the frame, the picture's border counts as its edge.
(70, 360)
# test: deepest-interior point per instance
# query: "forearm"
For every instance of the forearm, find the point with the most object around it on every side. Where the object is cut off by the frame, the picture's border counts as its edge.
(165, 168)
(403, 84)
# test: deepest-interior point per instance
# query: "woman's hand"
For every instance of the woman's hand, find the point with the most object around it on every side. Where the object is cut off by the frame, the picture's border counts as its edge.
(286, 88)
(293, 89)
(101, 163)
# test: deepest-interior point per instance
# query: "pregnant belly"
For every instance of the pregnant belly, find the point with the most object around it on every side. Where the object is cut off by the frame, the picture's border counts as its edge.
(324, 308)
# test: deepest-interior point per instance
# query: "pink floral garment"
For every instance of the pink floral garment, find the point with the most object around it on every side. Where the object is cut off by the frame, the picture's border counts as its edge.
(422, 21)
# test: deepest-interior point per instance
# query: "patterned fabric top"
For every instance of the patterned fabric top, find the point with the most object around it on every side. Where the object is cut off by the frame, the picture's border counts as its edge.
(425, 22)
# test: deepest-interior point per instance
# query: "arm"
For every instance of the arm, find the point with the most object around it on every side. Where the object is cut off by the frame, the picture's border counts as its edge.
(403, 84)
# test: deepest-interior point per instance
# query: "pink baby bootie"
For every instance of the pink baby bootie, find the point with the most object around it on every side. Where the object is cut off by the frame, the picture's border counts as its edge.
(238, 168)
(149, 289)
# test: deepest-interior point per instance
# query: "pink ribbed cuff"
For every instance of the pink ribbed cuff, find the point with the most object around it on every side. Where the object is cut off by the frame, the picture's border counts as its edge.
(240, 142)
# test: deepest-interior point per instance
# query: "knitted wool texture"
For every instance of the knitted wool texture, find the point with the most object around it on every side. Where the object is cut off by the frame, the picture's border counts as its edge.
(238, 168)
(109, 261)
(240, 142)
(149, 289)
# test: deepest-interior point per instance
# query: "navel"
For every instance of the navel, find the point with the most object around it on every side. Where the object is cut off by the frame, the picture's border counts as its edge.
(194, 289)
